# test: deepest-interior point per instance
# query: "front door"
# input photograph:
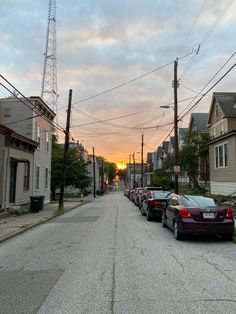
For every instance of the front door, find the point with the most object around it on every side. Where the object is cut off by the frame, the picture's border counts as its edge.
(13, 169)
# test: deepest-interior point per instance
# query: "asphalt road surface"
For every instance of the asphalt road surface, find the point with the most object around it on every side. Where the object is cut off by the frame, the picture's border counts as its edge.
(104, 257)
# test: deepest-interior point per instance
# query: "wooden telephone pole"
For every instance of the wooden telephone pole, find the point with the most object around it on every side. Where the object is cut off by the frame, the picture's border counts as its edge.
(176, 172)
(142, 162)
(66, 147)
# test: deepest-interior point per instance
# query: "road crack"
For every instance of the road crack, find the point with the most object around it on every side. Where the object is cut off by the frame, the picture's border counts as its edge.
(218, 269)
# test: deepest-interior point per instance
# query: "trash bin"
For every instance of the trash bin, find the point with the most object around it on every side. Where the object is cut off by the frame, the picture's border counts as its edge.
(41, 202)
(36, 204)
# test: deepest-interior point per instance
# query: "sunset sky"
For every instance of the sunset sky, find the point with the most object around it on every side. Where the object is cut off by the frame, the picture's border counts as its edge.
(123, 50)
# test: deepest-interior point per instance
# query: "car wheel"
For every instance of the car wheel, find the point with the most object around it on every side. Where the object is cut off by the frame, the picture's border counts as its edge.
(227, 237)
(163, 221)
(148, 216)
(177, 234)
(142, 211)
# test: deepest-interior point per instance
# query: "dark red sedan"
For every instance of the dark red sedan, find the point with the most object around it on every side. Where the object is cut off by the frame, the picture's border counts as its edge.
(188, 214)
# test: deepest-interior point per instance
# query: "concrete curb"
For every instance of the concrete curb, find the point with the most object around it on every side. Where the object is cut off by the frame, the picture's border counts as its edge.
(22, 230)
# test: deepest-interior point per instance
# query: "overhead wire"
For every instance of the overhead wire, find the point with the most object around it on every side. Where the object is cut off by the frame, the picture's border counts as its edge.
(54, 124)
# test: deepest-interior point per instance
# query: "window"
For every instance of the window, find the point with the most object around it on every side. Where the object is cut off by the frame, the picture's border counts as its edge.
(26, 176)
(221, 156)
(37, 136)
(37, 175)
(46, 178)
(47, 141)
(217, 110)
(213, 132)
(222, 128)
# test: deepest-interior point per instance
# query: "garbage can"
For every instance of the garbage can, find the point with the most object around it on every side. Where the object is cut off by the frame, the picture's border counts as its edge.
(41, 202)
(35, 204)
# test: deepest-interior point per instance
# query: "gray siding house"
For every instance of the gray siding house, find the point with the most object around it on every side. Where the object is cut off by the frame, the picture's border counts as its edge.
(16, 171)
(222, 147)
(33, 119)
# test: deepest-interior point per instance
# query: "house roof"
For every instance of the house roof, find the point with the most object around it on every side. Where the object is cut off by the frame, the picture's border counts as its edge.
(226, 101)
(199, 119)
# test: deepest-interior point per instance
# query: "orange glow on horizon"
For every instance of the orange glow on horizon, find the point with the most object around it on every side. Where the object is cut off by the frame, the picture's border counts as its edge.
(121, 165)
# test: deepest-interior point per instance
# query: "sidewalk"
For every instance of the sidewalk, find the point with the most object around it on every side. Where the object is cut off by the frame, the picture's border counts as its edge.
(13, 225)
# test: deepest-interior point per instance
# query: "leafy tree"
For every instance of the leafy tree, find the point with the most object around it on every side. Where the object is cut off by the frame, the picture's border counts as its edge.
(111, 169)
(122, 174)
(162, 178)
(76, 168)
(193, 157)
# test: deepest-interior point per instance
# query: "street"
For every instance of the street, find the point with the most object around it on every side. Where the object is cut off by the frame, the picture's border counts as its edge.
(104, 257)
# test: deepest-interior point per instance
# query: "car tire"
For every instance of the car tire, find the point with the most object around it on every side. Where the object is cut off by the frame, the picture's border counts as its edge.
(227, 237)
(142, 211)
(177, 234)
(149, 218)
(163, 222)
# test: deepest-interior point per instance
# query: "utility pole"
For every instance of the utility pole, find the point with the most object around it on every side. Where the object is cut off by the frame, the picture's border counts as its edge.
(176, 165)
(102, 177)
(66, 147)
(94, 176)
(134, 182)
(142, 162)
(129, 178)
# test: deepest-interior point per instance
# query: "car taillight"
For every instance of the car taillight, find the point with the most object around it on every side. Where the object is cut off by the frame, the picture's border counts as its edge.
(153, 202)
(184, 213)
(229, 213)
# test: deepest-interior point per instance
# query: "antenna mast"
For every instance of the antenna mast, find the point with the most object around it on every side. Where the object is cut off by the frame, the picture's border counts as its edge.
(49, 81)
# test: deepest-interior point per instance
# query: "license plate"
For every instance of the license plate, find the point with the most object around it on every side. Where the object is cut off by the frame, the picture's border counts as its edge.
(208, 215)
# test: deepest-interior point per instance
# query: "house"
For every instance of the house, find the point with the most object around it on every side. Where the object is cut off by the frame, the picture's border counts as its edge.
(222, 145)
(134, 174)
(33, 119)
(16, 171)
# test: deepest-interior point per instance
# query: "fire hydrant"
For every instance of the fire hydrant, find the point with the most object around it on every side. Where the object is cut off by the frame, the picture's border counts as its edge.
(81, 197)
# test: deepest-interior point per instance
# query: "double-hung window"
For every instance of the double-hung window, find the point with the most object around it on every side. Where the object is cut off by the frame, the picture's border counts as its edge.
(221, 155)
(47, 141)
(37, 177)
(26, 176)
(46, 178)
(37, 134)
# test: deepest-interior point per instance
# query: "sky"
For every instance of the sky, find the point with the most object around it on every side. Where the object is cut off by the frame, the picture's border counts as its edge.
(118, 59)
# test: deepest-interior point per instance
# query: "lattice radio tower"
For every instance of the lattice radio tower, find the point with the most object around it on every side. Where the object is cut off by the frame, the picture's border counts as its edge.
(49, 81)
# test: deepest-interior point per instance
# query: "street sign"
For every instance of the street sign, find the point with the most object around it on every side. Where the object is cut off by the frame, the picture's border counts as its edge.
(176, 171)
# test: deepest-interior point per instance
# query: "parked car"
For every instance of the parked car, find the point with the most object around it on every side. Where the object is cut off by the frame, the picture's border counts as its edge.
(188, 214)
(142, 196)
(154, 203)
(138, 192)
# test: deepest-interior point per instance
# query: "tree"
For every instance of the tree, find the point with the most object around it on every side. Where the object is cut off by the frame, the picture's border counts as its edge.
(76, 168)
(111, 169)
(162, 178)
(193, 157)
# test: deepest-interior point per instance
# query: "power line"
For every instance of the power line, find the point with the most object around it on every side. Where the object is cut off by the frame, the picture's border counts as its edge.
(227, 72)
(130, 81)
(234, 53)
(57, 126)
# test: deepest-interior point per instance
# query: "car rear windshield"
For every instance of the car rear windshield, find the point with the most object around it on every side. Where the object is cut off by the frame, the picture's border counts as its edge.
(203, 201)
(160, 195)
